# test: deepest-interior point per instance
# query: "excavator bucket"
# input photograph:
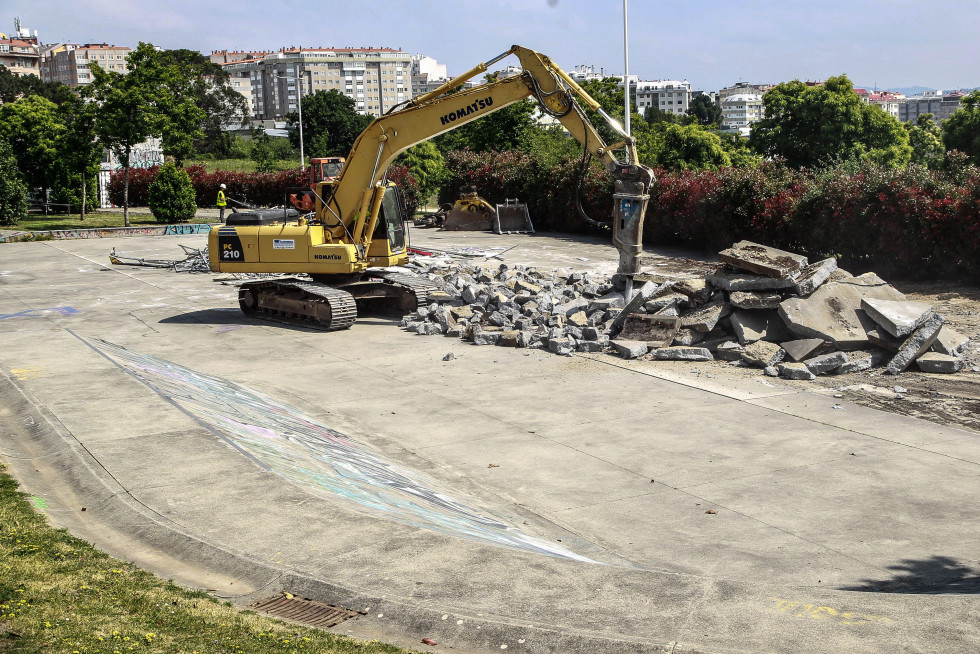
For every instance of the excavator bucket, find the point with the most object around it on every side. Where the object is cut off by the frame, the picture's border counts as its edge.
(512, 218)
(470, 213)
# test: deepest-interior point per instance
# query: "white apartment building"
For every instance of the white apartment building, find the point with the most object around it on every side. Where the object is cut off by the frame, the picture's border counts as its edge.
(739, 111)
(20, 52)
(376, 79)
(670, 96)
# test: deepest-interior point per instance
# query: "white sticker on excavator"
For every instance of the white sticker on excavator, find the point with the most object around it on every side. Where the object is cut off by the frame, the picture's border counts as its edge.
(283, 244)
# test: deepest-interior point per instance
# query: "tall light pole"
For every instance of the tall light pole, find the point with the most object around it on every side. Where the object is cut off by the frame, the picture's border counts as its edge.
(626, 74)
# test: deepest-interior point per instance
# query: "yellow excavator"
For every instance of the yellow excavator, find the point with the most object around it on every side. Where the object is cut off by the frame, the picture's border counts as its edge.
(357, 226)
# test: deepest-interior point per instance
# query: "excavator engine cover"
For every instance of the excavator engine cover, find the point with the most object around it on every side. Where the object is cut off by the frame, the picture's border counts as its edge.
(261, 217)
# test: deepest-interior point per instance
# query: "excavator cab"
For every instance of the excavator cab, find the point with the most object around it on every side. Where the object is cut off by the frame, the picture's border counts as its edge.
(388, 238)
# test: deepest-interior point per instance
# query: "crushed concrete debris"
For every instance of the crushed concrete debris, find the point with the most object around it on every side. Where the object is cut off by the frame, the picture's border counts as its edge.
(761, 307)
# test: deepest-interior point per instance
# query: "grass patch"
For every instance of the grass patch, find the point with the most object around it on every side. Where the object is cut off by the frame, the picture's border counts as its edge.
(59, 594)
(92, 221)
(239, 165)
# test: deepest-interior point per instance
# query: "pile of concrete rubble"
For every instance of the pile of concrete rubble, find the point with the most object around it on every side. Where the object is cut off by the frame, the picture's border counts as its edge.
(762, 307)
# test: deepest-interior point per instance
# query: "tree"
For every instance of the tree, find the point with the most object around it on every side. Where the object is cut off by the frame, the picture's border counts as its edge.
(427, 164)
(79, 151)
(208, 85)
(961, 131)
(815, 126)
(705, 110)
(681, 147)
(926, 140)
(31, 128)
(510, 128)
(13, 191)
(654, 115)
(127, 111)
(13, 87)
(330, 122)
(171, 195)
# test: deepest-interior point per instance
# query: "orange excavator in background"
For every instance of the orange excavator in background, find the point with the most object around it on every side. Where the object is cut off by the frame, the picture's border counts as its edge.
(322, 169)
(356, 229)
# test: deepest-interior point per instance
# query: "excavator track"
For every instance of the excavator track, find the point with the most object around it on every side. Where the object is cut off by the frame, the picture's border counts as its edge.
(298, 302)
(419, 287)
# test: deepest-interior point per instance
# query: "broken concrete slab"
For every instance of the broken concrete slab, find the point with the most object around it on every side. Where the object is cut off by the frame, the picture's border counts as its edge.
(629, 349)
(916, 345)
(755, 300)
(655, 331)
(744, 282)
(795, 371)
(644, 293)
(762, 354)
(763, 260)
(729, 351)
(939, 363)
(688, 337)
(804, 348)
(706, 318)
(897, 317)
(682, 354)
(883, 339)
(950, 342)
(661, 301)
(834, 312)
(695, 289)
(814, 275)
(564, 346)
(863, 360)
(752, 326)
(825, 363)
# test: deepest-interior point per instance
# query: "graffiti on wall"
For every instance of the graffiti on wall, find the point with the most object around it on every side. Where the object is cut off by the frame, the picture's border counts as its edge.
(297, 447)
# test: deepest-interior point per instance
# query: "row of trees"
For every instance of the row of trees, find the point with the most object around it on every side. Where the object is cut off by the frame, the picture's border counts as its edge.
(57, 137)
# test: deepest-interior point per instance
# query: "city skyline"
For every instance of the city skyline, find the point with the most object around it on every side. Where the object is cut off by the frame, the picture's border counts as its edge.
(713, 45)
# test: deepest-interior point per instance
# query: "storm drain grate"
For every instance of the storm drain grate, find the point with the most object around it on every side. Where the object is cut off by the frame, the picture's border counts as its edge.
(310, 612)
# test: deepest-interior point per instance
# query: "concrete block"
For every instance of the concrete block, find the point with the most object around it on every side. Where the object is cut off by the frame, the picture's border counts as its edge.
(939, 363)
(509, 338)
(706, 318)
(833, 312)
(612, 300)
(755, 299)
(591, 346)
(696, 290)
(656, 331)
(564, 346)
(486, 337)
(795, 371)
(916, 345)
(764, 325)
(579, 319)
(883, 339)
(629, 349)
(429, 329)
(950, 342)
(770, 371)
(660, 302)
(762, 354)
(897, 317)
(743, 282)
(805, 348)
(638, 300)
(814, 275)
(682, 354)
(688, 337)
(826, 362)
(763, 260)
(521, 286)
(729, 351)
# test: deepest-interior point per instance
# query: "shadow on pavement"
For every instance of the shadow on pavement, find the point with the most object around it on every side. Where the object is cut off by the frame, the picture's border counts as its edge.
(937, 575)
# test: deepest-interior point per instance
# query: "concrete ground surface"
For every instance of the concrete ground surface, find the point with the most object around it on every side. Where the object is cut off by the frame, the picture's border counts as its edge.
(501, 500)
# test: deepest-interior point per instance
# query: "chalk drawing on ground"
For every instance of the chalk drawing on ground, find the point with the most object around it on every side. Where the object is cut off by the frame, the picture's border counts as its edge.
(37, 313)
(295, 446)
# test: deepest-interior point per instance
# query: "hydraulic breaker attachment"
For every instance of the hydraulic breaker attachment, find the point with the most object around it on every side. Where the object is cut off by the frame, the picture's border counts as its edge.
(630, 197)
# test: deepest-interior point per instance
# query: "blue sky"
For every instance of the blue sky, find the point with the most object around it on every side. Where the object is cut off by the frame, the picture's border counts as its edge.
(712, 43)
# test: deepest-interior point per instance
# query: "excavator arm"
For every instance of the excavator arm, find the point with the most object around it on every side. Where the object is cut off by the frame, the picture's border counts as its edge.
(349, 206)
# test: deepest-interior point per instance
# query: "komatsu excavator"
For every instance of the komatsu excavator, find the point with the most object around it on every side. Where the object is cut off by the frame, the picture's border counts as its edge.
(357, 228)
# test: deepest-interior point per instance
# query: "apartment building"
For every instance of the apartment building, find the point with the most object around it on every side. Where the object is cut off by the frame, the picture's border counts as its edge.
(20, 56)
(376, 79)
(68, 63)
(743, 88)
(670, 96)
(887, 100)
(740, 110)
(940, 105)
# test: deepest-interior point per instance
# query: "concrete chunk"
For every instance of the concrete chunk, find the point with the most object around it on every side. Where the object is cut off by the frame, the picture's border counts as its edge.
(755, 300)
(795, 371)
(656, 331)
(763, 260)
(688, 337)
(762, 354)
(639, 299)
(743, 282)
(939, 363)
(814, 275)
(826, 362)
(706, 318)
(863, 360)
(883, 339)
(752, 326)
(729, 351)
(805, 348)
(834, 312)
(682, 354)
(695, 289)
(916, 345)
(950, 342)
(629, 349)
(897, 317)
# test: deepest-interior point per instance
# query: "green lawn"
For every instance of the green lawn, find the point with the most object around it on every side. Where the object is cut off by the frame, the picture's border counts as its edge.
(59, 594)
(238, 165)
(137, 216)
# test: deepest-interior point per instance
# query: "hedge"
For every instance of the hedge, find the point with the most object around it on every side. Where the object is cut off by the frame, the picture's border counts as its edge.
(908, 222)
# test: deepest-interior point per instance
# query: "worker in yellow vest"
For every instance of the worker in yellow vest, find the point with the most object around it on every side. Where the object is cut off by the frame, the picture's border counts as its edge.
(222, 203)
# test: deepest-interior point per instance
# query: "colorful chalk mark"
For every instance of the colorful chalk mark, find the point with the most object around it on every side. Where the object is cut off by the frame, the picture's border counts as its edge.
(300, 449)
(37, 313)
(815, 612)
